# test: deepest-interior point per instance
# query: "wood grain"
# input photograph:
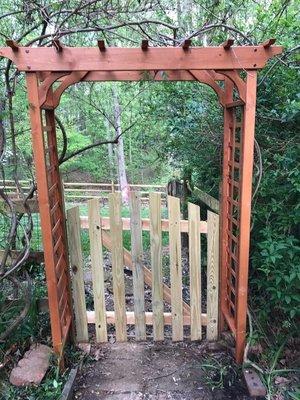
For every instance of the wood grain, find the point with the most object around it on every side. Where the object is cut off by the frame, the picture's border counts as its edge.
(130, 319)
(175, 267)
(212, 275)
(97, 269)
(137, 265)
(195, 271)
(114, 200)
(76, 260)
(134, 59)
(156, 266)
(105, 224)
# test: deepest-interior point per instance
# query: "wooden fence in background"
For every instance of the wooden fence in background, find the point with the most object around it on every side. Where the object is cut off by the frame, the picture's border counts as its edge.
(107, 232)
(76, 192)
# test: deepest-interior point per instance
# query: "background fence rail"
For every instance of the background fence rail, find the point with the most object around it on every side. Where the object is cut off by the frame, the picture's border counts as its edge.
(76, 191)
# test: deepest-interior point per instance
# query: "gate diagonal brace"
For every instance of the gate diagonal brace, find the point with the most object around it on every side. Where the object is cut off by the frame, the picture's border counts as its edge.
(147, 273)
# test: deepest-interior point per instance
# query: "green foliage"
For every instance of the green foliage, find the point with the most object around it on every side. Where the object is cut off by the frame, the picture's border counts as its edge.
(175, 129)
(219, 374)
(50, 388)
(278, 277)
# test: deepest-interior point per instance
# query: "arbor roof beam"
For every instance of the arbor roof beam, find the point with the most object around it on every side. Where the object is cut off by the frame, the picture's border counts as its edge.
(134, 59)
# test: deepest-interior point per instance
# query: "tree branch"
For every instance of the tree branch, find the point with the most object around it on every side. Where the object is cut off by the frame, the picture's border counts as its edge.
(98, 143)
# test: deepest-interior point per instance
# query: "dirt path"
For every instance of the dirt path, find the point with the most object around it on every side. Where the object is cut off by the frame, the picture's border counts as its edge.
(132, 371)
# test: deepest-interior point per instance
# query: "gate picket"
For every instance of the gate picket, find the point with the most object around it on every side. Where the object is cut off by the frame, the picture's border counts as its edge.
(175, 267)
(212, 275)
(137, 266)
(181, 313)
(114, 200)
(195, 271)
(156, 266)
(76, 262)
(97, 269)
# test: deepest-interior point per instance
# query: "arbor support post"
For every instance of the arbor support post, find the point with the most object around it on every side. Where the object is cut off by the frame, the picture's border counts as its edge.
(51, 215)
(246, 171)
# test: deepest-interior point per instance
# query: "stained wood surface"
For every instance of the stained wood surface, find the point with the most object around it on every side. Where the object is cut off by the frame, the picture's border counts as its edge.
(212, 275)
(117, 265)
(195, 271)
(245, 191)
(156, 266)
(129, 59)
(76, 261)
(38, 147)
(175, 267)
(137, 265)
(97, 269)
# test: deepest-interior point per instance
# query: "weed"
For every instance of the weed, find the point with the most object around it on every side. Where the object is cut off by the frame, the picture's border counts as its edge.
(218, 375)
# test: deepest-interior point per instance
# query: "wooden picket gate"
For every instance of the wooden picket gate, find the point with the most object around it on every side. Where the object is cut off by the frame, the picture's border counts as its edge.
(108, 232)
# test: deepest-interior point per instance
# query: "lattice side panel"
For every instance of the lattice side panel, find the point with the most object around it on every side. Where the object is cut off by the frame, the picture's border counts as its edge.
(231, 228)
(58, 234)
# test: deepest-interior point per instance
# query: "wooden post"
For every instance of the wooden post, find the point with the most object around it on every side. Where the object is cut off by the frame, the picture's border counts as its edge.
(38, 148)
(246, 170)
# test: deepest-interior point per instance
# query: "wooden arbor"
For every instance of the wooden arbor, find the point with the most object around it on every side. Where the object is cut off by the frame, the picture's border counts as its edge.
(230, 71)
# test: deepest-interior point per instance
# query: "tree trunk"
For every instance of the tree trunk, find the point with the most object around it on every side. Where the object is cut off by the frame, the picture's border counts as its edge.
(110, 151)
(124, 187)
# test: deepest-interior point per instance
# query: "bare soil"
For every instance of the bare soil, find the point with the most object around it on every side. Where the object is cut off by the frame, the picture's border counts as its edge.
(149, 370)
(132, 371)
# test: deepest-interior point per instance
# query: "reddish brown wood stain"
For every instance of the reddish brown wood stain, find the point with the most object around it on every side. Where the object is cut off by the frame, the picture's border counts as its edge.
(44, 66)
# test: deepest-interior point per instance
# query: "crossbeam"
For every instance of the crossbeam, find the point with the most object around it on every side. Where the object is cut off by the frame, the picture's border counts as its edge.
(164, 75)
(135, 59)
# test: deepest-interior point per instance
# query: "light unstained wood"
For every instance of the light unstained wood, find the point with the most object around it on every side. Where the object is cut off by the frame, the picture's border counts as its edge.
(103, 198)
(76, 261)
(130, 319)
(97, 269)
(117, 265)
(105, 224)
(207, 199)
(106, 238)
(137, 265)
(106, 185)
(212, 275)
(156, 266)
(96, 191)
(175, 267)
(195, 271)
